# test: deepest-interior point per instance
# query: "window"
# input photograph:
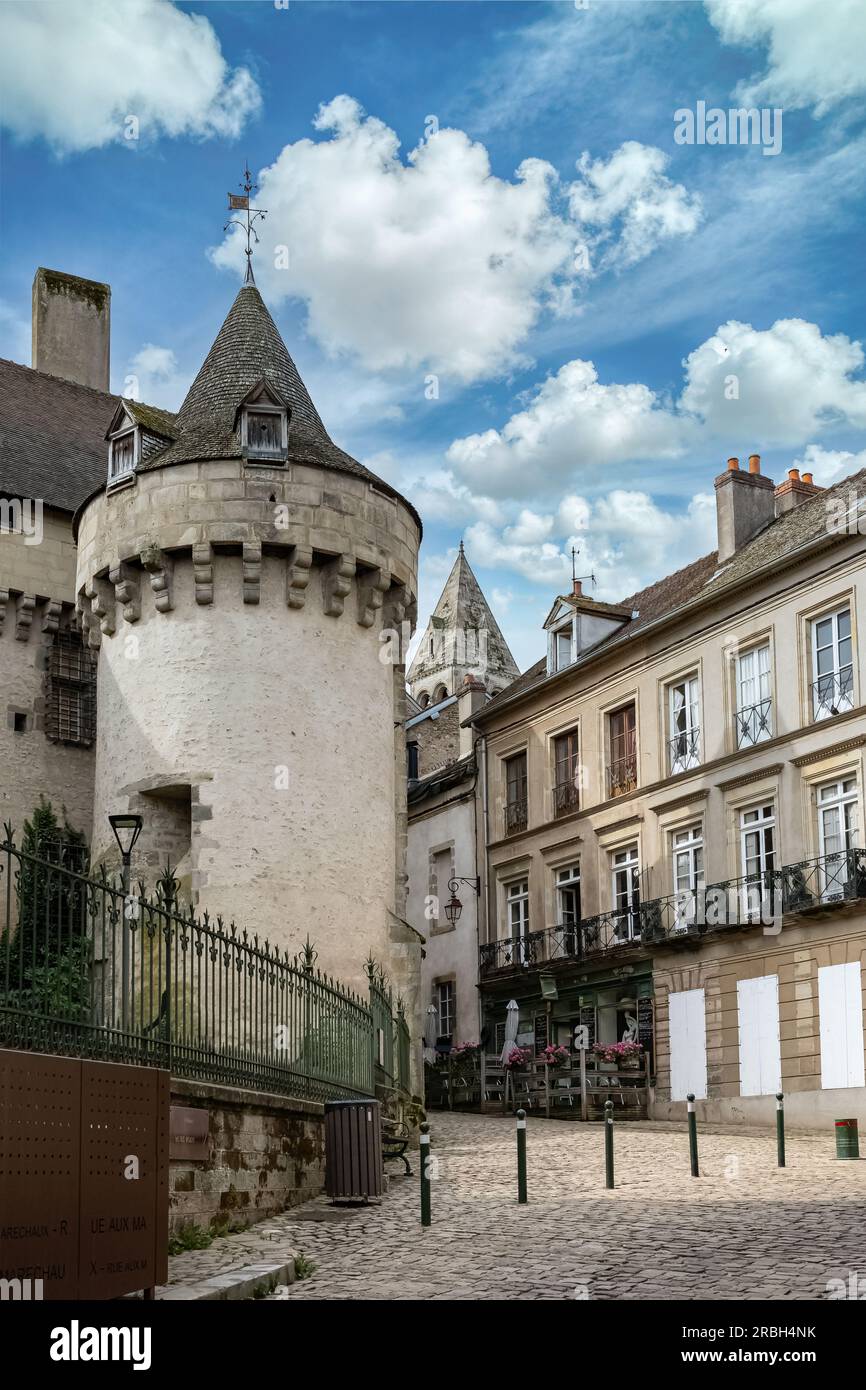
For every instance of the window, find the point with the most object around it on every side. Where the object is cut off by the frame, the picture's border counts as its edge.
(264, 432)
(70, 696)
(625, 876)
(412, 761)
(121, 455)
(442, 868)
(515, 794)
(757, 840)
(517, 910)
(566, 774)
(832, 666)
(563, 646)
(754, 718)
(19, 722)
(446, 1007)
(622, 765)
(684, 744)
(687, 853)
(568, 907)
(838, 834)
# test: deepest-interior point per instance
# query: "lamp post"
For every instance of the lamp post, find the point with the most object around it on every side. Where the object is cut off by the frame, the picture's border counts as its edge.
(127, 829)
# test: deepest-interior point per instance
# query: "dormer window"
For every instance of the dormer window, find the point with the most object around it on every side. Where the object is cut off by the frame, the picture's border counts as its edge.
(122, 453)
(264, 425)
(563, 646)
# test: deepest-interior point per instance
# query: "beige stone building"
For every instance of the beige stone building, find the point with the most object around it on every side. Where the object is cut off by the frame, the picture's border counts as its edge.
(673, 815)
(207, 642)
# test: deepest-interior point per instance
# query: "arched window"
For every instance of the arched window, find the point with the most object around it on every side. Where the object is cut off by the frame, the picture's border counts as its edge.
(424, 699)
(440, 693)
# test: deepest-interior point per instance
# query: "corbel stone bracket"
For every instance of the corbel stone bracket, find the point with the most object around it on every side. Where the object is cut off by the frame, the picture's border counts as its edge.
(24, 606)
(101, 595)
(202, 568)
(160, 568)
(298, 576)
(89, 624)
(52, 615)
(127, 590)
(372, 588)
(337, 578)
(4, 599)
(252, 563)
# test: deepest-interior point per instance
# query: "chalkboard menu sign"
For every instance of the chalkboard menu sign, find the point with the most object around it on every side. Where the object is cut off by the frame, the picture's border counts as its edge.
(587, 1021)
(540, 1033)
(646, 1028)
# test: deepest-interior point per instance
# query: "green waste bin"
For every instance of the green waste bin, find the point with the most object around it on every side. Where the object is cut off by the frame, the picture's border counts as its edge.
(847, 1142)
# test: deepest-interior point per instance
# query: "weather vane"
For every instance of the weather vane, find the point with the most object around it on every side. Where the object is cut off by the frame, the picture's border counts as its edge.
(574, 575)
(240, 202)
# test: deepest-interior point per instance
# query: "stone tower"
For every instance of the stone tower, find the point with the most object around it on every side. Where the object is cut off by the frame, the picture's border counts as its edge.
(236, 572)
(462, 638)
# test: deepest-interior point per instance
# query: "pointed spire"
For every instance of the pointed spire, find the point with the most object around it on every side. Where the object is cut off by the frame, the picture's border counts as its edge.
(462, 638)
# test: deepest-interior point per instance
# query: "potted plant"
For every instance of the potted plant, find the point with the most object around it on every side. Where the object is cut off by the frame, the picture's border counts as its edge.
(555, 1055)
(518, 1058)
(621, 1054)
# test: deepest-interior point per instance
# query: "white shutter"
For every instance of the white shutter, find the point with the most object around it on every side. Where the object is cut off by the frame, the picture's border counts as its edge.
(760, 1054)
(840, 1011)
(688, 1041)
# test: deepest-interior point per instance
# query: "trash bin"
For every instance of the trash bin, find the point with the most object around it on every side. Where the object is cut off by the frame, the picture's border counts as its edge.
(847, 1141)
(353, 1150)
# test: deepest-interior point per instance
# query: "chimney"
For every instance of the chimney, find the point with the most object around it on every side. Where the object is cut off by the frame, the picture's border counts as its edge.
(471, 696)
(794, 490)
(70, 328)
(576, 587)
(745, 504)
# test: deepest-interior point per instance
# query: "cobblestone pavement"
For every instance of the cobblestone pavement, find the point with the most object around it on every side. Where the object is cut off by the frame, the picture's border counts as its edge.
(744, 1230)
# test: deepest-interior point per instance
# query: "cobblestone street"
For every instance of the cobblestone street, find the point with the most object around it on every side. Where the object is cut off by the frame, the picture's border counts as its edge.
(744, 1230)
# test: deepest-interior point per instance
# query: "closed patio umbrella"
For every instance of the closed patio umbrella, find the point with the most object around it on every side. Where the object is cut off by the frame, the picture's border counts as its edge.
(511, 1026)
(431, 1032)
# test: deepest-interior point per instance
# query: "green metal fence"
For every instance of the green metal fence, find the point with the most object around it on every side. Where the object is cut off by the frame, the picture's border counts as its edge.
(90, 969)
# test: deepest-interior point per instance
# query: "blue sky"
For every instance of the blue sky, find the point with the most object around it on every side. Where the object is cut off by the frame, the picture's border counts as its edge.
(509, 288)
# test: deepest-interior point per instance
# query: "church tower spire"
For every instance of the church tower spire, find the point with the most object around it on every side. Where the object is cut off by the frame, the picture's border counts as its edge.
(462, 638)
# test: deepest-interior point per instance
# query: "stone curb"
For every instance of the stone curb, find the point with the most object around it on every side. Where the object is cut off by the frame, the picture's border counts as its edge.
(234, 1284)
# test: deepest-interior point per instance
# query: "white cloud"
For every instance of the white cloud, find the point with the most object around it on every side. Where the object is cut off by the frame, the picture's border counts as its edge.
(153, 377)
(790, 382)
(815, 49)
(744, 388)
(827, 466)
(630, 193)
(573, 424)
(433, 263)
(73, 71)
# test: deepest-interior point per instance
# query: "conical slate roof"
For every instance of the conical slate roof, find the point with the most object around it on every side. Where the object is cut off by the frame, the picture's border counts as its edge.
(248, 349)
(462, 609)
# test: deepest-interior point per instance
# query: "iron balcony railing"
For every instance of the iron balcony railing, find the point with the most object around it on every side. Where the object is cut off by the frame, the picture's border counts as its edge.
(754, 723)
(756, 900)
(622, 775)
(565, 797)
(516, 816)
(684, 750)
(833, 693)
(90, 969)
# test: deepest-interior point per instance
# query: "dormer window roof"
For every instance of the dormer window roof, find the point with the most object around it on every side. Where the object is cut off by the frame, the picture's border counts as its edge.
(577, 622)
(136, 431)
(264, 424)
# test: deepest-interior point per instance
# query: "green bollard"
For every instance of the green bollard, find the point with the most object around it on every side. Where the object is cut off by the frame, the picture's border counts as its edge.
(780, 1128)
(693, 1135)
(608, 1143)
(847, 1140)
(521, 1157)
(425, 1175)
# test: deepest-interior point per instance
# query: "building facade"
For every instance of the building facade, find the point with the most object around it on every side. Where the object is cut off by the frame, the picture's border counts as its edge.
(674, 811)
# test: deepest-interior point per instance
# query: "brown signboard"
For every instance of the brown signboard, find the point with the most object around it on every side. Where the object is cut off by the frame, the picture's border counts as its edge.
(83, 1175)
(189, 1132)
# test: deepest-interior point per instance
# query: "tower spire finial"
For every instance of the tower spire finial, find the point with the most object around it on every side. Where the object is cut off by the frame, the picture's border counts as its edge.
(240, 202)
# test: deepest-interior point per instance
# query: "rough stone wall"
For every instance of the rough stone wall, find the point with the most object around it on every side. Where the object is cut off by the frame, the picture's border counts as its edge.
(71, 328)
(267, 1153)
(438, 740)
(241, 665)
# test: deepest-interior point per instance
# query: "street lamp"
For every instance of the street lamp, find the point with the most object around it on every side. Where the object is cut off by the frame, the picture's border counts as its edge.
(126, 831)
(454, 906)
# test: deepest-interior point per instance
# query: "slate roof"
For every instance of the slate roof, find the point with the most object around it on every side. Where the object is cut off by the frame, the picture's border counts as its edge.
(461, 607)
(700, 582)
(440, 780)
(52, 436)
(247, 349)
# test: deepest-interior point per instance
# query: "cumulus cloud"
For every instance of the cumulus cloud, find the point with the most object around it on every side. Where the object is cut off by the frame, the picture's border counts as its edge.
(630, 194)
(814, 49)
(101, 63)
(743, 387)
(433, 263)
(827, 466)
(153, 377)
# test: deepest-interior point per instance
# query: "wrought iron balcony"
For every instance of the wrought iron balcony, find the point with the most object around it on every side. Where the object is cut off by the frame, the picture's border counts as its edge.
(754, 723)
(684, 751)
(833, 693)
(756, 900)
(565, 798)
(622, 775)
(516, 817)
